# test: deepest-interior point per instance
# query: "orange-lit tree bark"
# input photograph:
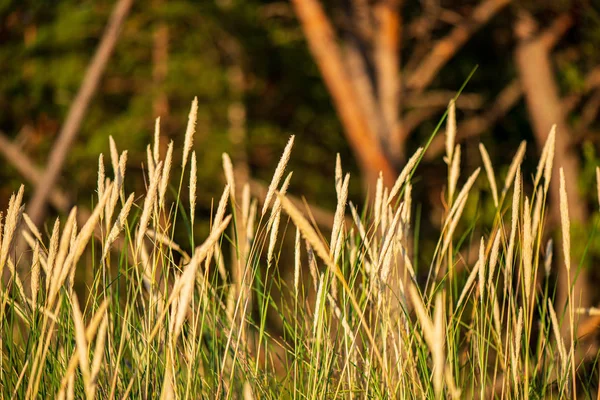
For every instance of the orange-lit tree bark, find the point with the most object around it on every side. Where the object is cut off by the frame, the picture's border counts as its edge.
(534, 66)
(363, 74)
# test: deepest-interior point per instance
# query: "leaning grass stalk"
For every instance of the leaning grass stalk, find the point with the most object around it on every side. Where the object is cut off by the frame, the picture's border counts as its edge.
(148, 206)
(566, 237)
(514, 165)
(527, 251)
(285, 157)
(489, 170)
(189, 132)
(406, 171)
(450, 131)
(164, 180)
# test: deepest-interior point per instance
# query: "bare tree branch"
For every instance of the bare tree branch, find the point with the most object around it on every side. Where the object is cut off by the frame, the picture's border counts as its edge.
(387, 62)
(445, 48)
(322, 42)
(532, 59)
(77, 111)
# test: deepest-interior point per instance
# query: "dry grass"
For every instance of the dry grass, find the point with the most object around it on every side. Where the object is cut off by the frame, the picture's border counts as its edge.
(155, 321)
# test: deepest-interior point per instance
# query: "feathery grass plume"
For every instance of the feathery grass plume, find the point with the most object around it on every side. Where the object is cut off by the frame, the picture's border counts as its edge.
(454, 174)
(318, 302)
(150, 161)
(17, 280)
(35, 273)
(164, 181)
(101, 175)
(408, 168)
(189, 132)
(537, 212)
(52, 252)
(118, 225)
(565, 222)
(187, 291)
(193, 180)
(542, 161)
(32, 228)
(285, 157)
(251, 220)
(494, 258)
(513, 226)
(423, 317)
(81, 342)
(384, 211)
(390, 235)
(454, 219)
(307, 230)
(114, 154)
(550, 159)
(156, 152)
(78, 247)
(489, 170)
(378, 199)
(338, 219)
(297, 264)
(464, 192)
(560, 344)
(245, 203)
(437, 350)
(116, 189)
(98, 355)
(527, 252)
(598, 183)
(10, 224)
(517, 347)
(481, 266)
(312, 264)
(406, 210)
(338, 174)
(496, 312)
(161, 238)
(275, 218)
(548, 257)
(66, 239)
(219, 217)
(450, 131)
(514, 165)
(468, 284)
(148, 206)
(229, 176)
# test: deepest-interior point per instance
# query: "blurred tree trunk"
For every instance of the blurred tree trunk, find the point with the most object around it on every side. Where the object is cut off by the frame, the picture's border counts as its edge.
(532, 59)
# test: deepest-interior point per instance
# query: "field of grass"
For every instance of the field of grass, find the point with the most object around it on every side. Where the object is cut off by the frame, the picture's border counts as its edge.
(355, 316)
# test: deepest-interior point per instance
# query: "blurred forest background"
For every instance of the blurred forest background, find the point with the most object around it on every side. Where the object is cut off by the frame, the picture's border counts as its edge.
(369, 79)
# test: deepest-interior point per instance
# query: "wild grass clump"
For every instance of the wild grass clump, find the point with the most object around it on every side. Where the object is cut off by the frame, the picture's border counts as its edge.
(354, 317)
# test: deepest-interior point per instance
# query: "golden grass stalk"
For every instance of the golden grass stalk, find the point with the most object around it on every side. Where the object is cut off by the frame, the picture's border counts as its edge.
(312, 264)
(494, 258)
(517, 339)
(527, 251)
(565, 222)
(98, 356)
(297, 264)
(455, 218)
(548, 257)
(81, 343)
(454, 174)
(464, 192)
(116, 189)
(32, 228)
(560, 344)
(156, 151)
(537, 212)
(52, 252)
(514, 165)
(378, 199)
(317, 315)
(450, 131)
(164, 181)
(338, 174)
(489, 170)
(229, 176)
(338, 219)
(118, 225)
(408, 168)
(66, 239)
(285, 157)
(481, 261)
(550, 158)
(513, 224)
(189, 132)
(150, 161)
(275, 218)
(193, 181)
(437, 347)
(13, 215)
(468, 284)
(148, 206)
(114, 154)
(101, 175)
(35, 273)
